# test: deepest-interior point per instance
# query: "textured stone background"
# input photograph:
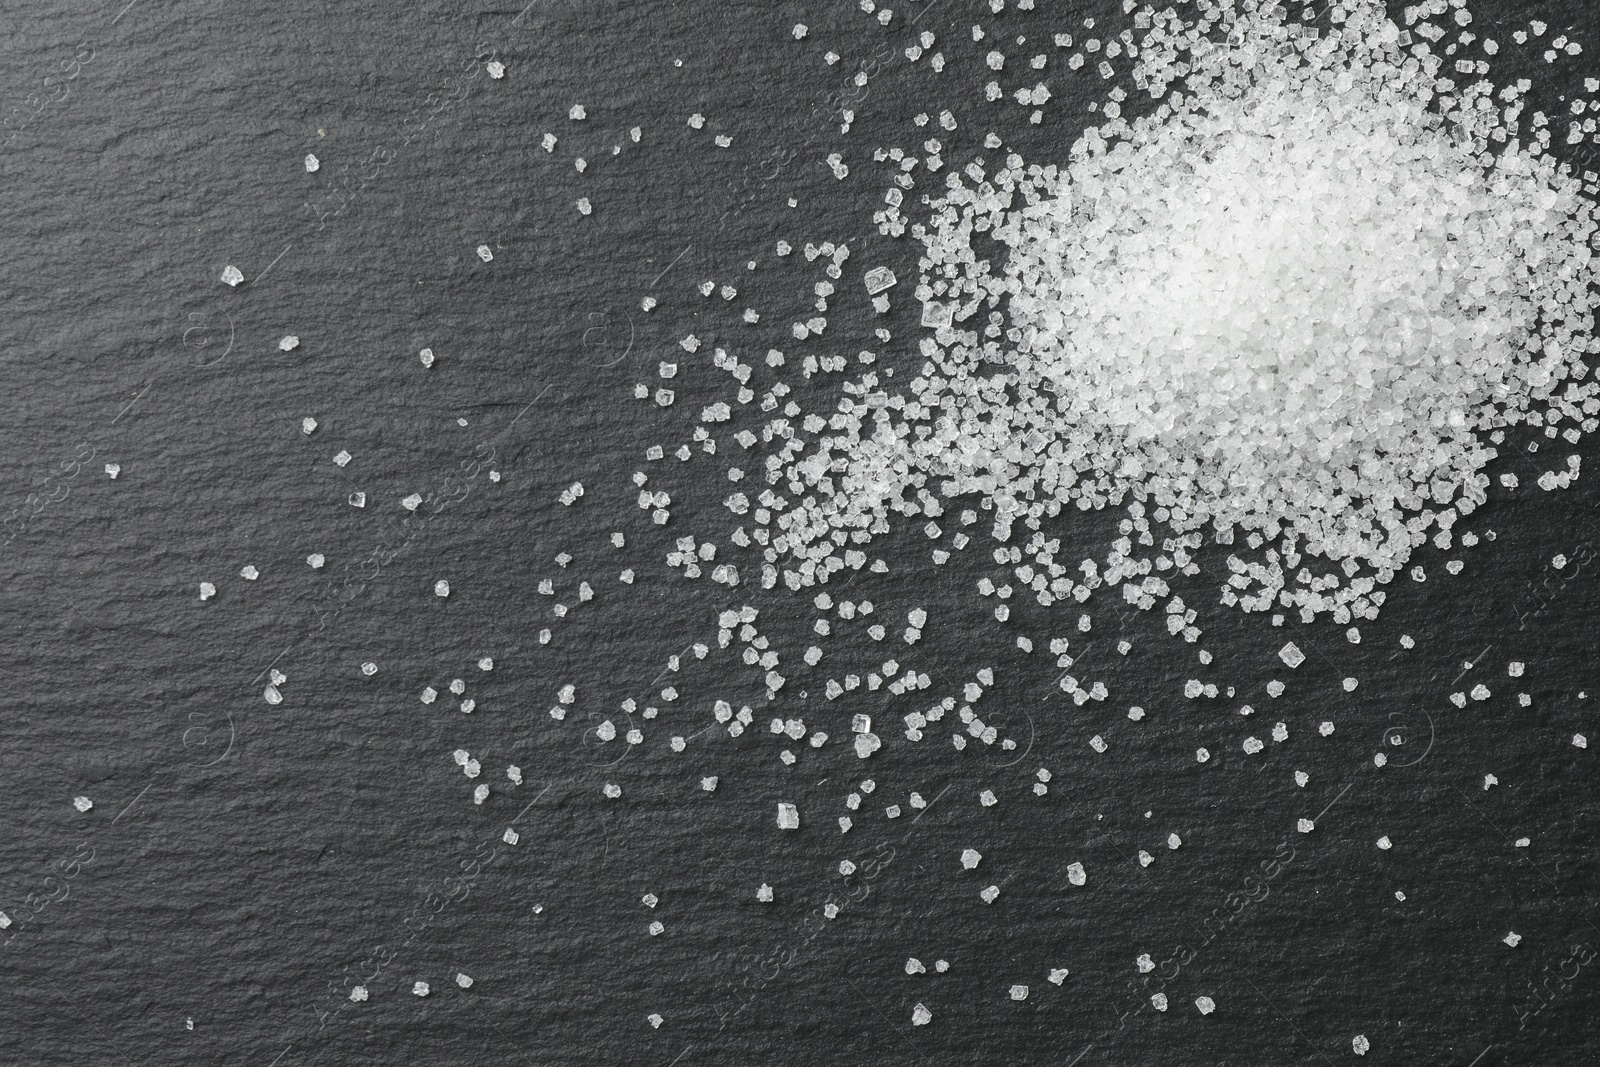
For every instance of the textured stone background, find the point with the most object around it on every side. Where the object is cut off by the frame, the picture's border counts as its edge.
(246, 863)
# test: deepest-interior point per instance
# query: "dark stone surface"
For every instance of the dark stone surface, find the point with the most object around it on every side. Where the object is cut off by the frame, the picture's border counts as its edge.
(246, 863)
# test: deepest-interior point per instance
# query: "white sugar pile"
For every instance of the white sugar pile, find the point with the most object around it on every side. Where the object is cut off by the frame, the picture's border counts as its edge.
(1302, 300)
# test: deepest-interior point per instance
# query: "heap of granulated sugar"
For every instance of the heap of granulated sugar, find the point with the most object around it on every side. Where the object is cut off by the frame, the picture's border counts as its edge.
(1301, 299)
